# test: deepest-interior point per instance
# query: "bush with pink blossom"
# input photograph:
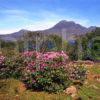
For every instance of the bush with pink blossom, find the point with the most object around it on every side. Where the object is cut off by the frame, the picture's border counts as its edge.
(51, 59)
(41, 71)
(46, 71)
(12, 67)
(2, 58)
(48, 79)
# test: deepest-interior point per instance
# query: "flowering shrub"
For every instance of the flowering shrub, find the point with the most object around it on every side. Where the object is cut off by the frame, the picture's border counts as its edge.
(2, 58)
(45, 71)
(31, 61)
(50, 79)
(12, 67)
(42, 71)
(77, 73)
(37, 60)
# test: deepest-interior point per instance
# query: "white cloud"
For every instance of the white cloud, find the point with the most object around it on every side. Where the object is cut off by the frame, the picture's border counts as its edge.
(40, 25)
(14, 12)
(23, 20)
(8, 31)
(49, 19)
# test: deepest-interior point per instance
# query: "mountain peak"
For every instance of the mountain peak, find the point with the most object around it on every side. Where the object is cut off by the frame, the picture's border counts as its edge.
(69, 28)
(65, 22)
(23, 30)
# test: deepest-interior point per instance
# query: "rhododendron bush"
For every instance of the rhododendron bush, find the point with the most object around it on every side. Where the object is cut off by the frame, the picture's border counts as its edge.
(30, 61)
(38, 61)
(11, 67)
(45, 71)
(41, 71)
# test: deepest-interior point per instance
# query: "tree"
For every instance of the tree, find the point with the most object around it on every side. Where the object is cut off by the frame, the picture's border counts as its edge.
(91, 45)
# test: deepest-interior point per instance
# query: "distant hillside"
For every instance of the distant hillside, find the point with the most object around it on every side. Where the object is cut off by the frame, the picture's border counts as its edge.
(66, 29)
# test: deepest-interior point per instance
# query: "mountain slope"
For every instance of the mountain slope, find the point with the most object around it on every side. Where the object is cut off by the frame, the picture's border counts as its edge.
(69, 27)
(14, 36)
(66, 29)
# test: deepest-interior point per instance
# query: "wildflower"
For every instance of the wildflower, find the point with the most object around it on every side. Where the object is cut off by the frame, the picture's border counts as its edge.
(33, 81)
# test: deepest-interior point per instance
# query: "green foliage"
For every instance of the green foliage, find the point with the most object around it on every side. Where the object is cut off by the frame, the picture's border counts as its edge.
(13, 67)
(57, 41)
(72, 51)
(8, 48)
(53, 43)
(51, 80)
(91, 45)
(86, 47)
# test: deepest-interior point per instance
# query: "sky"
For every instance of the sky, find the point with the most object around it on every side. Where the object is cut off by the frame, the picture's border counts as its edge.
(43, 14)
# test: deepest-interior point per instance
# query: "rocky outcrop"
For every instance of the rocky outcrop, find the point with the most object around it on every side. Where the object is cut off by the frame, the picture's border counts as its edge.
(71, 91)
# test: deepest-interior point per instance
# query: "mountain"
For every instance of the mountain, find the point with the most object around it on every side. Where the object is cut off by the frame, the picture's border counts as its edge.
(66, 29)
(69, 27)
(14, 36)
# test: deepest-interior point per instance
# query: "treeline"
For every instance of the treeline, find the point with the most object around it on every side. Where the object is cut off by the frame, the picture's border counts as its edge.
(86, 47)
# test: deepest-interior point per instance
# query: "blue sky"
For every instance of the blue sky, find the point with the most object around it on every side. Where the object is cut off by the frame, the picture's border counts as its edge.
(43, 14)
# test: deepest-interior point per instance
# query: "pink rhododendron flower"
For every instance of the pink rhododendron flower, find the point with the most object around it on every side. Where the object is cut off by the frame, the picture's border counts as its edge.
(42, 60)
(33, 81)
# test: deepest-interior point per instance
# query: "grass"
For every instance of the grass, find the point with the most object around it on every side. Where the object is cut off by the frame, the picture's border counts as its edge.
(12, 89)
(34, 96)
(95, 69)
(91, 89)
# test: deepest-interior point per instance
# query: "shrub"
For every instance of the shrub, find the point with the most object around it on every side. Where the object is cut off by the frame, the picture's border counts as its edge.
(45, 72)
(77, 73)
(50, 79)
(42, 71)
(2, 58)
(12, 67)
